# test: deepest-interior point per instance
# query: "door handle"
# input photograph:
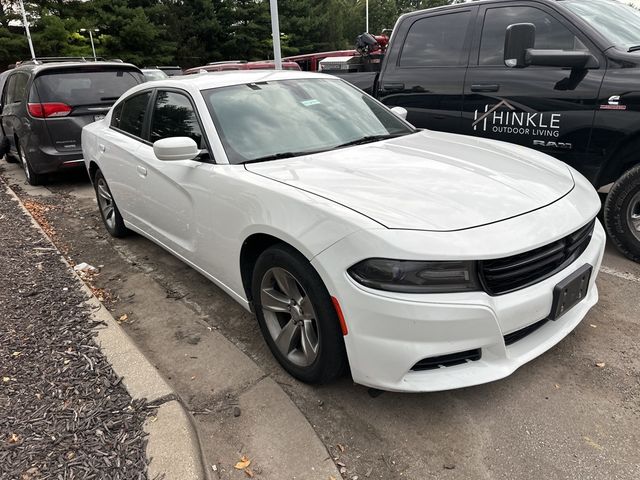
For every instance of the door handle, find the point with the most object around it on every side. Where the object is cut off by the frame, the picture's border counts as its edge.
(141, 171)
(393, 87)
(485, 87)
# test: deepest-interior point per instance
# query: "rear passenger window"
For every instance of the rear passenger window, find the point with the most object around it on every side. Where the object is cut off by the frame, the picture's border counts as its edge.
(550, 33)
(131, 114)
(173, 116)
(436, 41)
(16, 88)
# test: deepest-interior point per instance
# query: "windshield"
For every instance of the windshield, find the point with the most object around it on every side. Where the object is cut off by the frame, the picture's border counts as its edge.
(617, 22)
(292, 117)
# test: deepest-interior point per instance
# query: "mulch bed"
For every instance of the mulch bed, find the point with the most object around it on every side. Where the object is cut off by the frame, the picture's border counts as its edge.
(63, 412)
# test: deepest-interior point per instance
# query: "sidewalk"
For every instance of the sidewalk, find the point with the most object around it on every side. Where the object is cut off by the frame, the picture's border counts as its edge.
(77, 398)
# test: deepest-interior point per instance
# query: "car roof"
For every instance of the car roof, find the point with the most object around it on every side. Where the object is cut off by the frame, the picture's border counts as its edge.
(205, 81)
(62, 65)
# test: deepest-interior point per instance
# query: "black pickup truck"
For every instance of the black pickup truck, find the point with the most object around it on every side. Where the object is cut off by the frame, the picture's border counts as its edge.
(562, 77)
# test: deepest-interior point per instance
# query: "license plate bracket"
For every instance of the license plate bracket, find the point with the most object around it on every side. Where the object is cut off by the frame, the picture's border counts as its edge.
(570, 291)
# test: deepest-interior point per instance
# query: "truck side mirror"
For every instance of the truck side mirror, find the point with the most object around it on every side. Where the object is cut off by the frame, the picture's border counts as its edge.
(519, 38)
(578, 59)
(519, 52)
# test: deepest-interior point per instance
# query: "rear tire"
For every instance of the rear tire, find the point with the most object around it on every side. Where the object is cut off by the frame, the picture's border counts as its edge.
(622, 213)
(109, 212)
(297, 317)
(33, 178)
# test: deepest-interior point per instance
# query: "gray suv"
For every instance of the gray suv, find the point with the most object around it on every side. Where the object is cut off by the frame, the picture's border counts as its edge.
(44, 106)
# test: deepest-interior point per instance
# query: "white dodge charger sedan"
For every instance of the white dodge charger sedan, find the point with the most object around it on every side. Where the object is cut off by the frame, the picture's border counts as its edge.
(418, 260)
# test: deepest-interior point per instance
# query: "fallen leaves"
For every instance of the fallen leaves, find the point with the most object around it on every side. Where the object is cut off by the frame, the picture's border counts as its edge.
(39, 212)
(243, 463)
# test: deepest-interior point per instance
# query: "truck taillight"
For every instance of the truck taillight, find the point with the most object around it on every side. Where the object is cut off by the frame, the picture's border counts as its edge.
(47, 110)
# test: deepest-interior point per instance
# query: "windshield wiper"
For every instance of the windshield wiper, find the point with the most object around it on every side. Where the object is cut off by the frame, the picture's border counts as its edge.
(371, 139)
(635, 48)
(281, 155)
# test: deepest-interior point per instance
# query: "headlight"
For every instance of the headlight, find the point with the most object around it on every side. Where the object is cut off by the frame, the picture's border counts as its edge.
(416, 277)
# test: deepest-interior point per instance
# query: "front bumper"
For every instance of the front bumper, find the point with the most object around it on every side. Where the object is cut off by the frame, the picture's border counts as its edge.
(389, 332)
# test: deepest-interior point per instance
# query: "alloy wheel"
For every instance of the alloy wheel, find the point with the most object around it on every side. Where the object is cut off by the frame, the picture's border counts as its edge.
(105, 201)
(633, 215)
(289, 317)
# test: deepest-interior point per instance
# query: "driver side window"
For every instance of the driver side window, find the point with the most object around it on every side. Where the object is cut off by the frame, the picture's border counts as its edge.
(550, 33)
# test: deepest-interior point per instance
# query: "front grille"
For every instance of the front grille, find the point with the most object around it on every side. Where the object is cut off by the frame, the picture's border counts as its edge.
(450, 360)
(504, 275)
(513, 337)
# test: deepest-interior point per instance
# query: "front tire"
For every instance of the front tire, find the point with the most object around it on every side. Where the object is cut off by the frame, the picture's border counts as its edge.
(297, 317)
(109, 212)
(622, 213)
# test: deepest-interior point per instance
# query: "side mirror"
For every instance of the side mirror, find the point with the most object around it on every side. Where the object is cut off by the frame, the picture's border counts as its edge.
(519, 52)
(175, 148)
(561, 58)
(400, 112)
(519, 38)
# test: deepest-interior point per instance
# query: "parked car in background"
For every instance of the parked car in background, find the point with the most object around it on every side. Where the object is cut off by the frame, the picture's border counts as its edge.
(4, 142)
(45, 104)
(172, 71)
(154, 74)
(567, 85)
(240, 65)
(310, 62)
(422, 260)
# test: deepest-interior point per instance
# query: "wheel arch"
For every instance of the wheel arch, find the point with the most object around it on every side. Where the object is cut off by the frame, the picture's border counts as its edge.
(252, 248)
(623, 158)
(93, 169)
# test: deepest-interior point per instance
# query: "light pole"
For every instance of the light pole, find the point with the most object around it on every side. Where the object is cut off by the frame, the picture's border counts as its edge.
(26, 27)
(275, 33)
(367, 15)
(93, 48)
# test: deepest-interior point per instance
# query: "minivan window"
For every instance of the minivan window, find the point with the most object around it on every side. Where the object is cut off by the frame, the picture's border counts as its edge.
(436, 41)
(173, 116)
(132, 114)
(77, 87)
(550, 33)
(16, 88)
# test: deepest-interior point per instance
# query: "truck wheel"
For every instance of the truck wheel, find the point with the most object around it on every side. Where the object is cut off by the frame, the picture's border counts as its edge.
(622, 213)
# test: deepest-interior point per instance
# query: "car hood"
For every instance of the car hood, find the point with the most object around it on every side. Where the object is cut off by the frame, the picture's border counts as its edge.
(429, 180)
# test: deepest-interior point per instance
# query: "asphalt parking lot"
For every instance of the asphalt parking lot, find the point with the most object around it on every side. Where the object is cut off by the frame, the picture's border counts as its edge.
(573, 413)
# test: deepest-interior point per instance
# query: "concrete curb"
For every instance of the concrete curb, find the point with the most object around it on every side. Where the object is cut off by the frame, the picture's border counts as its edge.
(173, 447)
